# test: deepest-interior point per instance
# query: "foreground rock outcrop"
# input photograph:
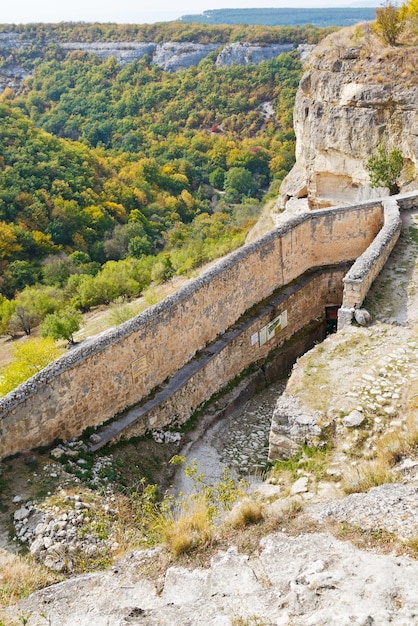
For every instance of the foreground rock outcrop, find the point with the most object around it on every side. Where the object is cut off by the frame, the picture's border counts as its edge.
(312, 579)
(355, 94)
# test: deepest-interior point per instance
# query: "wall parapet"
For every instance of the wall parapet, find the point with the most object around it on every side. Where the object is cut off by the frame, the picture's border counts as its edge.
(118, 368)
(366, 268)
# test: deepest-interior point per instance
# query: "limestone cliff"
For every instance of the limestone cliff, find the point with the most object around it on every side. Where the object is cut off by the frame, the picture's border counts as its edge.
(171, 56)
(355, 94)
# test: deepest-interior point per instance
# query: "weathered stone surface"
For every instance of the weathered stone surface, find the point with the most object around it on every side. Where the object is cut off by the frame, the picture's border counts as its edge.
(21, 514)
(299, 486)
(347, 103)
(292, 425)
(311, 579)
(172, 56)
(123, 51)
(391, 507)
(362, 317)
(57, 453)
(245, 53)
(355, 418)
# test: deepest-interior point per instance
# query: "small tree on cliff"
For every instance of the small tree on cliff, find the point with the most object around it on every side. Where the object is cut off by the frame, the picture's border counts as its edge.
(385, 168)
(390, 22)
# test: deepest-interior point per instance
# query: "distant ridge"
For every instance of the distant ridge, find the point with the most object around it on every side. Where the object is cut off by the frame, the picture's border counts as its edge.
(330, 16)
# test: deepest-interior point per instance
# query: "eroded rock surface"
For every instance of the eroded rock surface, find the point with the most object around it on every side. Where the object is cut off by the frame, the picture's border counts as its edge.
(123, 51)
(349, 100)
(313, 579)
(170, 56)
(245, 53)
(173, 56)
(292, 425)
(391, 507)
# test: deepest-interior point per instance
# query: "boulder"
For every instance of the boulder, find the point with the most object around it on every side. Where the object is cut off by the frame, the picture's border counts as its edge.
(21, 514)
(353, 419)
(362, 317)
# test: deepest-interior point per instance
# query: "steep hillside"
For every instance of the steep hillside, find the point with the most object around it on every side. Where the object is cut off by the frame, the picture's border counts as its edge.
(356, 93)
(107, 157)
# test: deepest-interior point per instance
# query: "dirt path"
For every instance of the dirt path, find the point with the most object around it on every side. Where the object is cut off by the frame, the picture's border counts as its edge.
(393, 297)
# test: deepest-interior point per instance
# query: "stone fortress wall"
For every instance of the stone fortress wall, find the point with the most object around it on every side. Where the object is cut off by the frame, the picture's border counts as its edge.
(212, 318)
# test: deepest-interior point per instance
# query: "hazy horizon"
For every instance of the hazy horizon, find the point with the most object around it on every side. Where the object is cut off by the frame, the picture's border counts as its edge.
(127, 11)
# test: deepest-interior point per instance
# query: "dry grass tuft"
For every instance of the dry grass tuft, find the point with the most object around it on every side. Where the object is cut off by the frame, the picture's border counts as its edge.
(370, 474)
(253, 620)
(245, 513)
(395, 445)
(282, 511)
(190, 528)
(412, 545)
(378, 539)
(21, 577)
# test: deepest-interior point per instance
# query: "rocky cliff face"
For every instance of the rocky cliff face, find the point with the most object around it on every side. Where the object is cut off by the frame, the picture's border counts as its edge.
(124, 51)
(246, 53)
(170, 56)
(355, 94)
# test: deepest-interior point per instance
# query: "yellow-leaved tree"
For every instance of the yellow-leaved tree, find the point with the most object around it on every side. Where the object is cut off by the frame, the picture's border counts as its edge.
(410, 13)
(29, 357)
(390, 22)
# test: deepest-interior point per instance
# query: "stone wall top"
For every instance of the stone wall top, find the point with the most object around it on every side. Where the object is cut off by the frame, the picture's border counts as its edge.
(392, 225)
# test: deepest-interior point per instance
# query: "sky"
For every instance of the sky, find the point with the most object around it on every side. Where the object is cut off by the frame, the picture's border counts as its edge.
(131, 11)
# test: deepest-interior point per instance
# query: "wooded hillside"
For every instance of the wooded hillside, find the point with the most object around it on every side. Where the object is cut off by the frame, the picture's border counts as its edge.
(113, 176)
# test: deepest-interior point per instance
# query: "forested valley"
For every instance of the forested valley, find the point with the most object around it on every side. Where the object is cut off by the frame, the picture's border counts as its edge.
(117, 176)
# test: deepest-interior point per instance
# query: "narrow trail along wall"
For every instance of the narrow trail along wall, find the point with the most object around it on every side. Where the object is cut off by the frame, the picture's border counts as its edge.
(122, 366)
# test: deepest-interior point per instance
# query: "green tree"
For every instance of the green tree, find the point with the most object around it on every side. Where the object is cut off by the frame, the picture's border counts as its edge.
(217, 178)
(32, 305)
(22, 321)
(8, 241)
(239, 183)
(119, 244)
(139, 246)
(56, 269)
(390, 22)
(17, 275)
(7, 309)
(384, 168)
(62, 324)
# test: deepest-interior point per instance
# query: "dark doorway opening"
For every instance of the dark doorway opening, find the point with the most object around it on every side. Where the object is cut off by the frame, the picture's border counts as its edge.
(331, 319)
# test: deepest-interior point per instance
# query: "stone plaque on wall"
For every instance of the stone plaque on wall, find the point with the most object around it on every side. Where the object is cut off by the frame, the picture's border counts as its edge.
(139, 367)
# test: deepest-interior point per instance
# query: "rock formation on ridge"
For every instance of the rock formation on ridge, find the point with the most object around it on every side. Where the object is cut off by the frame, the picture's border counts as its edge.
(355, 94)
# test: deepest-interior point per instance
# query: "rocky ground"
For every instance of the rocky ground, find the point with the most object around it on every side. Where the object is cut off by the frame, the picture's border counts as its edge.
(326, 558)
